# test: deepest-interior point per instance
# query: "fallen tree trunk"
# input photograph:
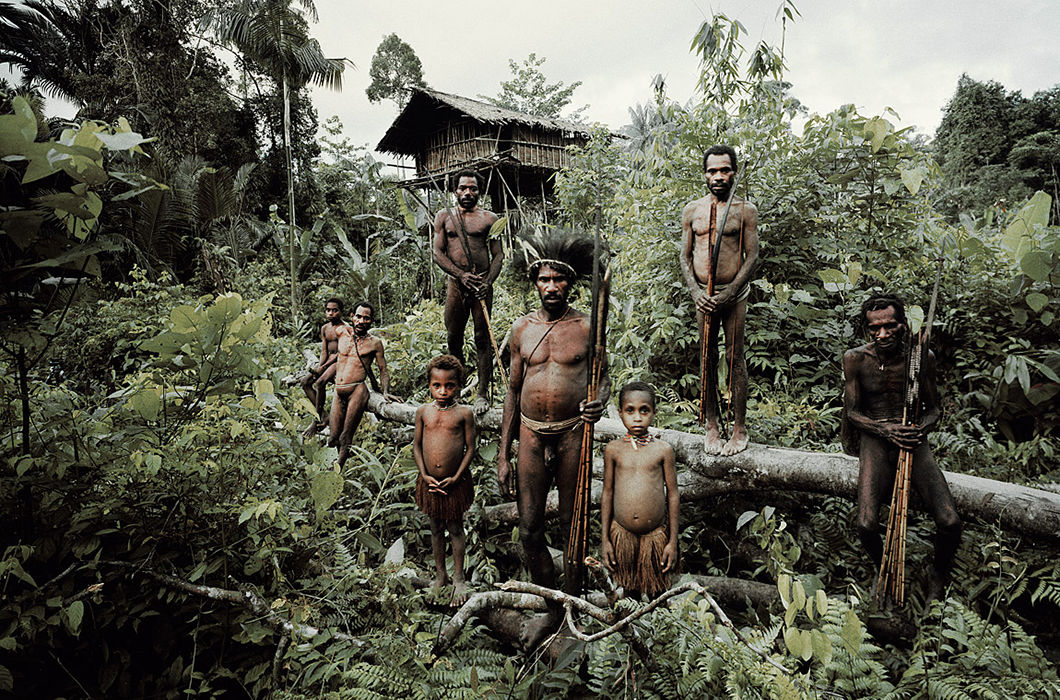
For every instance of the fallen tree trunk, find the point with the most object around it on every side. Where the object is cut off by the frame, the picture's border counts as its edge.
(1027, 510)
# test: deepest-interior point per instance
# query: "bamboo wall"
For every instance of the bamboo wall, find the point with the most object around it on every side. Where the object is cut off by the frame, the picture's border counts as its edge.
(468, 141)
(543, 149)
(458, 142)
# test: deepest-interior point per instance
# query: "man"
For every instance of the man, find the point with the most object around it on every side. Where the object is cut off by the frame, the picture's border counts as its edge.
(463, 250)
(873, 402)
(315, 384)
(356, 351)
(546, 405)
(727, 306)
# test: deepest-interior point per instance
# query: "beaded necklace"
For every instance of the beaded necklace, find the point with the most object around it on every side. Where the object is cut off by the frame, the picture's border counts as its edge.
(638, 442)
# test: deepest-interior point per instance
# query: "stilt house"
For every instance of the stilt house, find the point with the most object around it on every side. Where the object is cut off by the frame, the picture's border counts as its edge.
(517, 153)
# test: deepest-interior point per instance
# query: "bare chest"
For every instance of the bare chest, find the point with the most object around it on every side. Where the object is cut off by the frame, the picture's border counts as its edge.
(445, 422)
(565, 343)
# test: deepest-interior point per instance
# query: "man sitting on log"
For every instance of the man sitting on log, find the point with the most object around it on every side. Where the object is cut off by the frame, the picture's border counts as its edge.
(873, 401)
(546, 406)
(463, 250)
(720, 285)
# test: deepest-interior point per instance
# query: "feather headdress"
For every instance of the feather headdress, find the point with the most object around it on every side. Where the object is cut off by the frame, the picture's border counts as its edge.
(565, 248)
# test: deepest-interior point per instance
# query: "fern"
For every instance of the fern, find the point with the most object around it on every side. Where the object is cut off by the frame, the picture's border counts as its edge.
(961, 655)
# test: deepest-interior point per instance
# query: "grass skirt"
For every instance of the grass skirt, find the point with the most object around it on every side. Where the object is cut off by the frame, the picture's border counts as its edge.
(638, 559)
(450, 506)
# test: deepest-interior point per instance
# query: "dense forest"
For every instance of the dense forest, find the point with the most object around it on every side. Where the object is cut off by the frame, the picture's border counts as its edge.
(167, 530)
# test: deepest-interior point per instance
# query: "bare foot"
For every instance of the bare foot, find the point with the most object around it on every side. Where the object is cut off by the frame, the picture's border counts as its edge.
(313, 429)
(440, 581)
(737, 443)
(536, 629)
(459, 594)
(712, 442)
(480, 406)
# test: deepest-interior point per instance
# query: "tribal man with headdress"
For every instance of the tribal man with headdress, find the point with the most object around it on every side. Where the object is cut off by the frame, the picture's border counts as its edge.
(546, 407)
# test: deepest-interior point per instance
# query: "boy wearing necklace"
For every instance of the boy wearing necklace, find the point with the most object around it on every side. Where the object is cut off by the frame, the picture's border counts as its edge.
(442, 447)
(638, 508)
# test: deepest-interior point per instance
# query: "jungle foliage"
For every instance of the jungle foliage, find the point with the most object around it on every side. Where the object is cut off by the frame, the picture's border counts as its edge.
(165, 530)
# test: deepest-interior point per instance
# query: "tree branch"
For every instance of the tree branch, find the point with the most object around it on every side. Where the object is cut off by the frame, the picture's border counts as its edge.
(245, 599)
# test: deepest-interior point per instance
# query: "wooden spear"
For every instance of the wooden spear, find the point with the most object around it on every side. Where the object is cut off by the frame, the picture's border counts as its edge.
(578, 540)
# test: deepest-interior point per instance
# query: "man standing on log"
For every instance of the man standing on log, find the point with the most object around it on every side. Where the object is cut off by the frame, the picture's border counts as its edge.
(357, 350)
(873, 400)
(463, 250)
(730, 276)
(546, 406)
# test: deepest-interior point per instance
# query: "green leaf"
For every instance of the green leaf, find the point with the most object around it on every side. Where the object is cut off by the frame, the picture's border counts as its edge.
(23, 465)
(798, 595)
(1037, 264)
(784, 588)
(226, 309)
(184, 318)
(805, 645)
(74, 614)
(745, 517)
(912, 178)
(326, 489)
(822, 601)
(247, 513)
(498, 227)
(7, 681)
(831, 276)
(406, 212)
(853, 632)
(84, 170)
(793, 640)
(68, 202)
(147, 402)
(18, 129)
(1018, 236)
(822, 646)
(854, 273)
(1037, 301)
(263, 387)
(914, 315)
(1023, 374)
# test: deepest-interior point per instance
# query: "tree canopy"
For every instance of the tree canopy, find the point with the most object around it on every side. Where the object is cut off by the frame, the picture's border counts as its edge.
(394, 71)
(529, 91)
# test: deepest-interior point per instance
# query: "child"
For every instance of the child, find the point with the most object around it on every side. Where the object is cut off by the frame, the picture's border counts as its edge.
(442, 447)
(639, 503)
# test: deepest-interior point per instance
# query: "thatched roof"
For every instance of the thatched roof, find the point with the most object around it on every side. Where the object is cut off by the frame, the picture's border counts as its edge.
(428, 108)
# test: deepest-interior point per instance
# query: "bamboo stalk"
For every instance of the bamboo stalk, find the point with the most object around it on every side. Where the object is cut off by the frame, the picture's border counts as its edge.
(578, 541)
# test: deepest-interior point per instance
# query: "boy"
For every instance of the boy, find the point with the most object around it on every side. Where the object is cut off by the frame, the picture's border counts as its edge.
(316, 382)
(443, 446)
(639, 503)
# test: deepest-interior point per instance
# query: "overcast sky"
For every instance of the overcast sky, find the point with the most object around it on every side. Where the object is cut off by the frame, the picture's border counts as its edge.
(903, 54)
